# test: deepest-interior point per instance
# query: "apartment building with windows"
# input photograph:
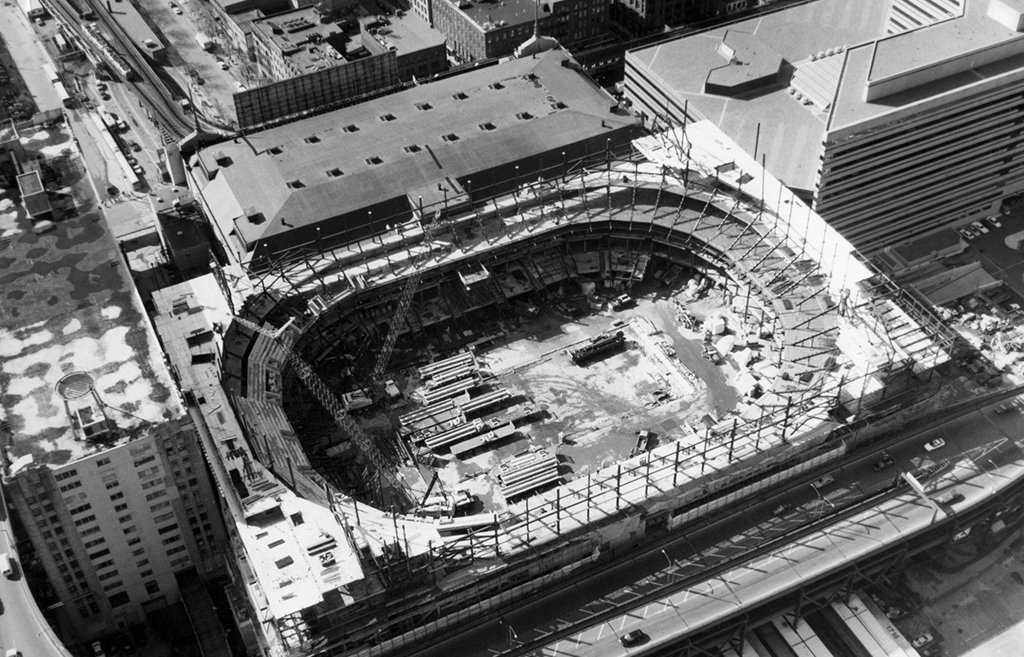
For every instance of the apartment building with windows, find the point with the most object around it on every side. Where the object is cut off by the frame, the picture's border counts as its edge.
(896, 119)
(111, 529)
(295, 42)
(483, 30)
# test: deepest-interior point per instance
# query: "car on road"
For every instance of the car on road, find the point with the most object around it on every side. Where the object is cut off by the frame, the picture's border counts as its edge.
(7, 566)
(40, 22)
(782, 509)
(138, 170)
(952, 497)
(97, 649)
(105, 97)
(883, 463)
(933, 445)
(632, 638)
(131, 160)
(101, 86)
(223, 65)
(177, 10)
(135, 146)
(922, 640)
(979, 227)
(821, 482)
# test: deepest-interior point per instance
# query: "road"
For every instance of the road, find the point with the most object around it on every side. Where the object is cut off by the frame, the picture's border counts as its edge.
(622, 597)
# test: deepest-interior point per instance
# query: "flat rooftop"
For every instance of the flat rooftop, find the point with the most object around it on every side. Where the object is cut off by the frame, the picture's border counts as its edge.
(302, 38)
(325, 166)
(786, 130)
(509, 12)
(70, 306)
(408, 33)
(128, 17)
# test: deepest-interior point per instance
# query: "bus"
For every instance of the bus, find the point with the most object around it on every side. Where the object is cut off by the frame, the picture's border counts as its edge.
(62, 93)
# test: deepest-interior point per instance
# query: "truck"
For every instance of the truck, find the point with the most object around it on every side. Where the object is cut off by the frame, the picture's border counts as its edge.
(205, 42)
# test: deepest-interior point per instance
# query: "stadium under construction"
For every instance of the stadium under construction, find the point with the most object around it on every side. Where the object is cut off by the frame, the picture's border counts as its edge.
(471, 425)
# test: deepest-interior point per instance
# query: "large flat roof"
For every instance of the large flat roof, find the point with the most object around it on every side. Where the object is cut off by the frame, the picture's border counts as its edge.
(70, 306)
(302, 38)
(329, 165)
(921, 64)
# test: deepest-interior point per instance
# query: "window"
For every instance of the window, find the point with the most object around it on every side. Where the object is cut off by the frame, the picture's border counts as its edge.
(159, 505)
(129, 530)
(172, 539)
(145, 573)
(102, 462)
(105, 576)
(134, 541)
(70, 486)
(111, 587)
(116, 496)
(94, 543)
(80, 509)
(125, 518)
(100, 553)
(152, 483)
(118, 599)
(164, 518)
(179, 561)
(89, 531)
(113, 484)
(152, 587)
(85, 519)
(156, 494)
(120, 507)
(144, 459)
(67, 474)
(168, 529)
(176, 550)
(105, 564)
(139, 552)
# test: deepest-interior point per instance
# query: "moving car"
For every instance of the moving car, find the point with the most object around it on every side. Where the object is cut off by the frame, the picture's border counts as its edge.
(933, 445)
(782, 509)
(6, 565)
(632, 638)
(883, 463)
(223, 65)
(821, 482)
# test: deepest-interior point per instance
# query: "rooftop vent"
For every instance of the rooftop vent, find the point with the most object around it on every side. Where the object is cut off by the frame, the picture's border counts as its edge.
(387, 117)
(560, 105)
(496, 85)
(222, 160)
(524, 116)
(412, 148)
(335, 173)
(276, 150)
(352, 127)
(423, 107)
(460, 96)
(312, 140)
(488, 126)
(451, 136)
(374, 160)
(296, 184)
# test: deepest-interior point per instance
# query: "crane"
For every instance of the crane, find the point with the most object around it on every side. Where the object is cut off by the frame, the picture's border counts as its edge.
(383, 464)
(405, 300)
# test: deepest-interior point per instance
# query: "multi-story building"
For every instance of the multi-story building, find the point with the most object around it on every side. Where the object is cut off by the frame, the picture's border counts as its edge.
(112, 528)
(236, 16)
(482, 30)
(419, 49)
(295, 42)
(894, 130)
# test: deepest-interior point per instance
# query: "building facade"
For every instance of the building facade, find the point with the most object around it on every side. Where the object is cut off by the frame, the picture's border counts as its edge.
(295, 42)
(478, 31)
(419, 49)
(112, 530)
(892, 137)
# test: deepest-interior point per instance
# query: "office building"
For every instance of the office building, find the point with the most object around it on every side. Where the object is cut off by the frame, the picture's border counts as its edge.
(895, 119)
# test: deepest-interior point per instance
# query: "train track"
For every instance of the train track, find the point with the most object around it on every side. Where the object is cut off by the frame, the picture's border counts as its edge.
(149, 88)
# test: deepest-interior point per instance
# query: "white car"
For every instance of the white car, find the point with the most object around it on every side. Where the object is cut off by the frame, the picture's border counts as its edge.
(223, 65)
(922, 640)
(821, 482)
(979, 227)
(933, 445)
(967, 232)
(994, 220)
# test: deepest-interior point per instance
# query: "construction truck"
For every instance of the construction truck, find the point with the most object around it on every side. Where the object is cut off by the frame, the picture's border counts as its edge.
(205, 42)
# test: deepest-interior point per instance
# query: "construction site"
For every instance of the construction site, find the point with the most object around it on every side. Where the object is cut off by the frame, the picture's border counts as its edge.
(515, 385)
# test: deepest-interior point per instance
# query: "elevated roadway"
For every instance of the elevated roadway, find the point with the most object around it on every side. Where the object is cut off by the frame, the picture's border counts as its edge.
(750, 562)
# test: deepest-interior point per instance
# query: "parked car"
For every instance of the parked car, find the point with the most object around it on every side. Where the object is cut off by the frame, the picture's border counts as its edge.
(821, 482)
(968, 233)
(994, 220)
(883, 463)
(933, 445)
(135, 147)
(40, 22)
(177, 10)
(223, 65)
(979, 227)
(101, 86)
(922, 640)
(97, 649)
(894, 613)
(632, 638)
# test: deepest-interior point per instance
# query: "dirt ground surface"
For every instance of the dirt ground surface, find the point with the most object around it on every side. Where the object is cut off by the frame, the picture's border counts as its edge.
(591, 414)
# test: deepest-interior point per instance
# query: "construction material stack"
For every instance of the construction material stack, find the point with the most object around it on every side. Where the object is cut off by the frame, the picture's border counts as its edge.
(527, 472)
